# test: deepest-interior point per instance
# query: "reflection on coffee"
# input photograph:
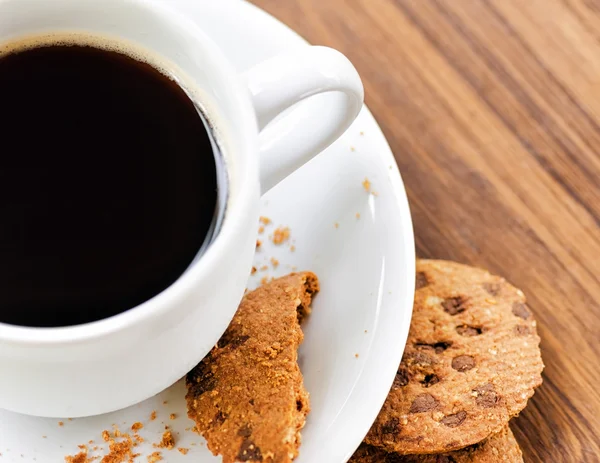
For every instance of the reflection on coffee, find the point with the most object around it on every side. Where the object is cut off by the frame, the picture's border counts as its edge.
(108, 183)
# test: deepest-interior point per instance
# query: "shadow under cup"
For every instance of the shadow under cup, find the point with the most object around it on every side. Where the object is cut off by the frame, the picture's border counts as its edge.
(112, 180)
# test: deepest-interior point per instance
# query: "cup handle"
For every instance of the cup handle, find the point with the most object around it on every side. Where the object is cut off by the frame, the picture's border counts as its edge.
(279, 83)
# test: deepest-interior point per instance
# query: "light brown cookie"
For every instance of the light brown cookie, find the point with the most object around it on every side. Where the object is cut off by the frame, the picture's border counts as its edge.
(247, 397)
(501, 447)
(471, 363)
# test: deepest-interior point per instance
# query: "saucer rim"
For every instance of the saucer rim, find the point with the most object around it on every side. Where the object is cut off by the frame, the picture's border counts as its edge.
(386, 157)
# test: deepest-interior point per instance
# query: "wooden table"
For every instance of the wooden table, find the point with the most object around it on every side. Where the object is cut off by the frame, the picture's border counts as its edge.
(492, 108)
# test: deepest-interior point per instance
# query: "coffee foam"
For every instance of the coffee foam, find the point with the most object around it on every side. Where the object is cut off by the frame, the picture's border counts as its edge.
(83, 39)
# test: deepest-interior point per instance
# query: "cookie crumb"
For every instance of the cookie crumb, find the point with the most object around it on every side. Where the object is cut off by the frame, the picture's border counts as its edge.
(362, 133)
(153, 415)
(136, 426)
(258, 244)
(172, 416)
(153, 458)
(261, 230)
(274, 262)
(183, 450)
(356, 355)
(61, 423)
(293, 248)
(367, 185)
(353, 149)
(167, 441)
(281, 235)
(265, 220)
(120, 452)
(81, 457)
(105, 436)
(336, 225)
(358, 215)
(264, 268)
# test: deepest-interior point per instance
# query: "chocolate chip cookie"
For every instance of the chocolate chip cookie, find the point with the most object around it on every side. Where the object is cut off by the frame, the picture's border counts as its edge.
(501, 447)
(471, 363)
(247, 396)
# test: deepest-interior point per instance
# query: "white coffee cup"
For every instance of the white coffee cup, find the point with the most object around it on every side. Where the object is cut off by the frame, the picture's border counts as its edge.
(117, 362)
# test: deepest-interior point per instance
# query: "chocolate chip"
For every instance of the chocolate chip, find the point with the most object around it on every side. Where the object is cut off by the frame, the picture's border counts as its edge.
(468, 331)
(237, 342)
(444, 459)
(423, 403)
(251, 402)
(454, 305)
(233, 340)
(201, 379)
(438, 347)
(220, 417)
(486, 396)
(299, 405)
(521, 310)
(453, 421)
(422, 280)
(522, 330)
(463, 363)
(401, 378)
(492, 288)
(301, 313)
(430, 380)
(249, 452)
(392, 426)
(245, 431)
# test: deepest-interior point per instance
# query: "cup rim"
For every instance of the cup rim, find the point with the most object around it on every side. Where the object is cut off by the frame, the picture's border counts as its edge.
(244, 181)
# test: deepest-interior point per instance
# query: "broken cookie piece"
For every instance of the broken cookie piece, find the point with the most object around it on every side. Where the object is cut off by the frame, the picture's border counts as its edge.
(247, 396)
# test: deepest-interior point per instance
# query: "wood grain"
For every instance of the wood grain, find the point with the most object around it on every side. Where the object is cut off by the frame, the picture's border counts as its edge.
(492, 108)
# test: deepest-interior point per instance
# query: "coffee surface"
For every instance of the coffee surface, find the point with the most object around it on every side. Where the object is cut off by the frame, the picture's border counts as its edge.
(107, 184)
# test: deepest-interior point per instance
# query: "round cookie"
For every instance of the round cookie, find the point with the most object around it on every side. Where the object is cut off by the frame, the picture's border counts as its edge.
(501, 447)
(471, 363)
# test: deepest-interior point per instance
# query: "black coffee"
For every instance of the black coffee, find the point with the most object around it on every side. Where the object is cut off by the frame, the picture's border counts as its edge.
(107, 184)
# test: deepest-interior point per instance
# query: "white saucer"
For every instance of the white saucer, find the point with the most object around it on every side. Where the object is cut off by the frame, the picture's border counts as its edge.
(355, 337)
